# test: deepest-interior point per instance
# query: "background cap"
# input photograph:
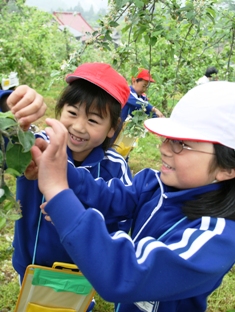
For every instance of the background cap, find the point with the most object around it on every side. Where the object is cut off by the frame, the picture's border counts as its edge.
(105, 77)
(205, 114)
(144, 74)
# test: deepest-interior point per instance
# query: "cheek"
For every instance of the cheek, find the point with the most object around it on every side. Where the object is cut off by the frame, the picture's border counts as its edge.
(98, 135)
(193, 174)
(63, 119)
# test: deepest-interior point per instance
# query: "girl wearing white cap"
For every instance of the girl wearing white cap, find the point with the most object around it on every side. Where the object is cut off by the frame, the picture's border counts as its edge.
(182, 239)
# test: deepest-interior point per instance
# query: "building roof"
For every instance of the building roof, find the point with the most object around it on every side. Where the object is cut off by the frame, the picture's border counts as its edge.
(73, 31)
(73, 21)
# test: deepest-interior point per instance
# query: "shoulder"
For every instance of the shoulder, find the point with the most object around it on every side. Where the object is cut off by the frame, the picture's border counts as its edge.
(114, 165)
(114, 155)
(202, 80)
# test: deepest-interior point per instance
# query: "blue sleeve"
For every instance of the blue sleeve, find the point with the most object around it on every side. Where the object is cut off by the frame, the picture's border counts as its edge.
(4, 92)
(135, 103)
(103, 195)
(124, 270)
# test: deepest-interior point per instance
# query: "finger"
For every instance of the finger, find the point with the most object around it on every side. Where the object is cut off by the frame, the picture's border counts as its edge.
(36, 154)
(47, 218)
(41, 144)
(42, 206)
(31, 172)
(21, 95)
(58, 135)
(31, 113)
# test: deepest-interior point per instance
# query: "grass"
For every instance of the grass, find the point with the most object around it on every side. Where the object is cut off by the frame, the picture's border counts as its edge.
(144, 155)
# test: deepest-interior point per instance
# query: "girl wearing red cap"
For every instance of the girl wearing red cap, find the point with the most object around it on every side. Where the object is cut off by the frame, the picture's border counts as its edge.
(182, 237)
(89, 108)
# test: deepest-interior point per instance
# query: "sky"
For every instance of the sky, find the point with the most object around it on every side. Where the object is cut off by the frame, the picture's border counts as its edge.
(86, 4)
(53, 4)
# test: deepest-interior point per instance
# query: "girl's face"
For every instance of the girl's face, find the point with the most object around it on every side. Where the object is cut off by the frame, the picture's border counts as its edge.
(140, 87)
(189, 168)
(85, 131)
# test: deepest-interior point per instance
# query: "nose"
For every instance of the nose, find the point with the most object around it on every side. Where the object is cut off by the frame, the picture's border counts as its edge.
(165, 149)
(79, 124)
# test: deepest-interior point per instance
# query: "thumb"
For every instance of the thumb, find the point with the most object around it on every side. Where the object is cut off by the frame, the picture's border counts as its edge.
(36, 154)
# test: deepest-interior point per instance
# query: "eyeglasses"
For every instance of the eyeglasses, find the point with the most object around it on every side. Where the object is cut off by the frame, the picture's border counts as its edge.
(177, 146)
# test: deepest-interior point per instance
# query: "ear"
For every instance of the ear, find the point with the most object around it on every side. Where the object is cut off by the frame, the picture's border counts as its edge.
(225, 174)
(111, 133)
(133, 80)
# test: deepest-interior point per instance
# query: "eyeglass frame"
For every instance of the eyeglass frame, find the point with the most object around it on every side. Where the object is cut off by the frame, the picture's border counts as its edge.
(181, 142)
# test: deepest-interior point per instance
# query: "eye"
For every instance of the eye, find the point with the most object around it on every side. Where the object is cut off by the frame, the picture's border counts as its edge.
(93, 120)
(177, 142)
(72, 113)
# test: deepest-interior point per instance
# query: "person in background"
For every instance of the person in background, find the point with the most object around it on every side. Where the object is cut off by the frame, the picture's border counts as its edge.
(137, 96)
(211, 74)
(89, 107)
(182, 237)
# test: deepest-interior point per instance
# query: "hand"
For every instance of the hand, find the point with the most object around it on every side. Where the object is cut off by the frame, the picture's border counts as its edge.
(47, 218)
(52, 162)
(31, 172)
(157, 112)
(27, 105)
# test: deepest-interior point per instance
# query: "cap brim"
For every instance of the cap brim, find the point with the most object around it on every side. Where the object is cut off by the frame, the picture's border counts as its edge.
(70, 78)
(168, 128)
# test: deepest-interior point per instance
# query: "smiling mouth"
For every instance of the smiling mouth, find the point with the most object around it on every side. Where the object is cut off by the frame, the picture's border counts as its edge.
(76, 138)
(167, 166)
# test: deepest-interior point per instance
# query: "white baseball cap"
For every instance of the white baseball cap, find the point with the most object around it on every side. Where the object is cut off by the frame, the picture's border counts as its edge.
(206, 113)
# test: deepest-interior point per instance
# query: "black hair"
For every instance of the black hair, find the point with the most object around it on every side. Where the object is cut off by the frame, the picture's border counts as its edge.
(211, 71)
(81, 92)
(221, 202)
(139, 79)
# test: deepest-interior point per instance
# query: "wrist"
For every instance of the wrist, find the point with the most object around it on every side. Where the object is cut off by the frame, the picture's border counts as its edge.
(54, 190)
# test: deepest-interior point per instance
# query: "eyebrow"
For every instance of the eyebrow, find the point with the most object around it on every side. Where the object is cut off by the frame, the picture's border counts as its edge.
(96, 114)
(90, 112)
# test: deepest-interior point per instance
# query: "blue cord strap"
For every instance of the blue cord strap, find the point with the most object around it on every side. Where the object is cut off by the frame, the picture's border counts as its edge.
(37, 234)
(39, 222)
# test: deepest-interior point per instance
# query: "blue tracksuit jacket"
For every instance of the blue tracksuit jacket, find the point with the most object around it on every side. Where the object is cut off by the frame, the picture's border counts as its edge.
(169, 263)
(4, 92)
(135, 102)
(105, 165)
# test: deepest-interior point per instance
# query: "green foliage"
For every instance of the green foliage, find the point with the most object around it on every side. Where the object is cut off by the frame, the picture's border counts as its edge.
(16, 157)
(134, 127)
(176, 41)
(31, 43)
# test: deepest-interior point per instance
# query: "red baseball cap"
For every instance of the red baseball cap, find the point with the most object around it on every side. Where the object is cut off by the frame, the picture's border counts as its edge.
(144, 74)
(105, 77)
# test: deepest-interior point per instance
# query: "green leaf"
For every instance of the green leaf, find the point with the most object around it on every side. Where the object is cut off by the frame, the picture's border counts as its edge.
(1, 157)
(153, 41)
(113, 24)
(16, 159)
(13, 172)
(6, 123)
(26, 139)
(2, 222)
(7, 115)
